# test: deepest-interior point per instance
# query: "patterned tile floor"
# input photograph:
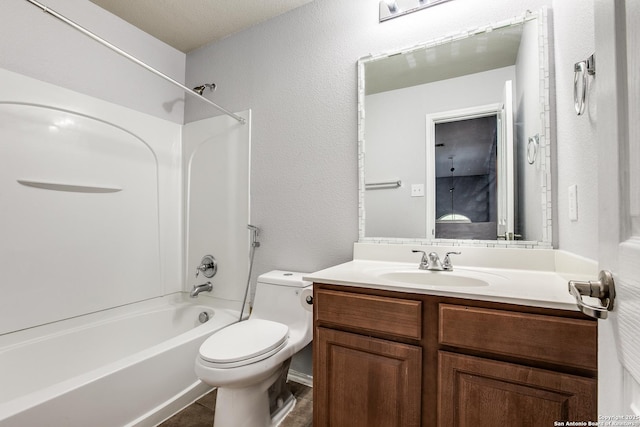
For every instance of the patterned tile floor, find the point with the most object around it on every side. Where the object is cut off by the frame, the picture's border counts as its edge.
(200, 413)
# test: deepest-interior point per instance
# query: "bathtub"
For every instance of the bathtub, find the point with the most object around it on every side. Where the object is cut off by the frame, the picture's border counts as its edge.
(128, 366)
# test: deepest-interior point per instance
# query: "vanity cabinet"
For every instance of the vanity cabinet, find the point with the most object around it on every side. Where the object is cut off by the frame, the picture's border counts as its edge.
(386, 358)
(367, 360)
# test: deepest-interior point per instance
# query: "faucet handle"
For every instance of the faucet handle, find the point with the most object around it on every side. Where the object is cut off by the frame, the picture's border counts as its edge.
(208, 266)
(446, 263)
(423, 261)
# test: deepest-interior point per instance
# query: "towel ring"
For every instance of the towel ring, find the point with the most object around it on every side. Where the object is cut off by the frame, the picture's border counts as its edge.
(532, 148)
(579, 96)
(581, 70)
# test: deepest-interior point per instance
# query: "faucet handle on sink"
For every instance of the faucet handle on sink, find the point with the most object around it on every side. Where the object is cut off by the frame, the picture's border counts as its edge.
(424, 262)
(446, 263)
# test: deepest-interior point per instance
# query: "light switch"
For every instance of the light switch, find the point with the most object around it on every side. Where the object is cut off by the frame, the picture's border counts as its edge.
(573, 202)
(417, 190)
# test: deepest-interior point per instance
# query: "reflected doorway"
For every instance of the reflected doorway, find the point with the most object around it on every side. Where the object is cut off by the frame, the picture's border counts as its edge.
(470, 172)
(466, 178)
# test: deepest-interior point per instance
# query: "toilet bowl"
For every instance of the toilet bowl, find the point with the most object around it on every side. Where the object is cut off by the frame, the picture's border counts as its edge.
(249, 360)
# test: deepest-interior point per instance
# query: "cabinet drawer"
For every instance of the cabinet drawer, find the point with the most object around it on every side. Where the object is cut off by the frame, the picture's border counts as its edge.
(369, 313)
(570, 342)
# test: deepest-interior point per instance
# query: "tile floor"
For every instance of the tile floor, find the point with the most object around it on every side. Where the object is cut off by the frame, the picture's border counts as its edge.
(200, 413)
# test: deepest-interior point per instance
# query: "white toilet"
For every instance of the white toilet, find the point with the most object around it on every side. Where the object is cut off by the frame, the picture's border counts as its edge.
(248, 361)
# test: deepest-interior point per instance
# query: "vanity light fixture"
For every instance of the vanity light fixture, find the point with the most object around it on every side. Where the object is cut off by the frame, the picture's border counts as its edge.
(393, 8)
(392, 5)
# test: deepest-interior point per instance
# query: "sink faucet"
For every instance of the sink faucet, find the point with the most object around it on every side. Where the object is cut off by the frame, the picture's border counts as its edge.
(205, 287)
(432, 261)
(446, 264)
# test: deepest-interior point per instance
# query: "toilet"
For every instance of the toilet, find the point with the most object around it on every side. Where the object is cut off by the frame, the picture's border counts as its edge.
(248, 361)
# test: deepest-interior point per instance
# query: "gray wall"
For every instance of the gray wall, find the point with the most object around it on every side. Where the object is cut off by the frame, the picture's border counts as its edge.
(37, 45)
(577, 150)
(297, 73)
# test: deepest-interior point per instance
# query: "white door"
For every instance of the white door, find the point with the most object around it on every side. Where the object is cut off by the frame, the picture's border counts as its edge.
(618, 123)
(506, 161)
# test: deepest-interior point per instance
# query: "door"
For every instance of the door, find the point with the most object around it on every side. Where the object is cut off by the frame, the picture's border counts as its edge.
(506, 161)
(618, 130)
(366, 382)
(477, 392)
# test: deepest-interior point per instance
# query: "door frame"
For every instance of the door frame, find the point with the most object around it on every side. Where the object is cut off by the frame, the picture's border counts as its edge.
(494, 109)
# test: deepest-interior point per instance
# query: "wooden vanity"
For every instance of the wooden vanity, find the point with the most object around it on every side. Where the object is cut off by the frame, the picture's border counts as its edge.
(389, 358)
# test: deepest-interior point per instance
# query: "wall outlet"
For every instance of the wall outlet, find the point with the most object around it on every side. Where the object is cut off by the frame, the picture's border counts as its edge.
(417, 190)
(573, 202)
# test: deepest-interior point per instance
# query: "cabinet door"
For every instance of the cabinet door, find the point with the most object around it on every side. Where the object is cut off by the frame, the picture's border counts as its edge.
(361, 381)
(475, 392)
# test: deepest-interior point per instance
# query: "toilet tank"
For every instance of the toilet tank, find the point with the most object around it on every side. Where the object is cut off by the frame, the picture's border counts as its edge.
(280, 296)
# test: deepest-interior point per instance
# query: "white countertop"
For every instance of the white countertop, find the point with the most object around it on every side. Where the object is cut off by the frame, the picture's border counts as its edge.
(547, 289)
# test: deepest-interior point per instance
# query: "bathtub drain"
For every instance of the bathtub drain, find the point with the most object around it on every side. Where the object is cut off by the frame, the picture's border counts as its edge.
(203, 317)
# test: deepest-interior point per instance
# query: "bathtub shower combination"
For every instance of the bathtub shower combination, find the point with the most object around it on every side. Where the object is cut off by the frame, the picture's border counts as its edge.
(96, 325)
(128, 366)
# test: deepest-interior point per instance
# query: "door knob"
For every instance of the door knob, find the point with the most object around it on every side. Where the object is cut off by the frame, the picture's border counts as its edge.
(603, 289)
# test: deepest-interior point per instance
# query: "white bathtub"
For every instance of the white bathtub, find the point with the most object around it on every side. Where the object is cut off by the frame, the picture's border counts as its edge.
(129, 366)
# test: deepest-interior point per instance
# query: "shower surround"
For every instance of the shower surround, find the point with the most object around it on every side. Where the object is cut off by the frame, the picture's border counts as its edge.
(98, 210)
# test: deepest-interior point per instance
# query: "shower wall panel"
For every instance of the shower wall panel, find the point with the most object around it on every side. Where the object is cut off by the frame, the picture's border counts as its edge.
(90, 209)
(217, 154)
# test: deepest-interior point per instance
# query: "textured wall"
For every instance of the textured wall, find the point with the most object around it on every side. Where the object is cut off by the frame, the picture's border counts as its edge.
(297, 73)
(577, 160)
(37, 45)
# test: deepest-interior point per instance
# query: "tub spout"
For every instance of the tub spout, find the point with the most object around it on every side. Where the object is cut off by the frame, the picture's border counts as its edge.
(205, 287)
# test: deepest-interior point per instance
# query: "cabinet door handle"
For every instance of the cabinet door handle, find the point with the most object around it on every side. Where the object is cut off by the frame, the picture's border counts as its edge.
(603, 289)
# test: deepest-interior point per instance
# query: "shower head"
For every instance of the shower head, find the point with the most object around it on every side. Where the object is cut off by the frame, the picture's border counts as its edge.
(200, 89)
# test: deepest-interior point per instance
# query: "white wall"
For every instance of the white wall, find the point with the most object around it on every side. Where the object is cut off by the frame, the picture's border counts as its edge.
(38, 45)
(396, 130)
(577, 160)
(297, 73)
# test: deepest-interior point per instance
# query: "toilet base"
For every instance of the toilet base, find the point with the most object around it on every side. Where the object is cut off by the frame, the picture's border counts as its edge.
(282, 412)
(249, 406)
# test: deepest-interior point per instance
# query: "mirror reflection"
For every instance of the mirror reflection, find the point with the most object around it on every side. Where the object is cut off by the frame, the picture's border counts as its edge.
(444, 139)
(465, 178)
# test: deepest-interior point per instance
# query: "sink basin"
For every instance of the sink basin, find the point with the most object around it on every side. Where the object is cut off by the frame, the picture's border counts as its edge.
(434, 278)
(460, 277)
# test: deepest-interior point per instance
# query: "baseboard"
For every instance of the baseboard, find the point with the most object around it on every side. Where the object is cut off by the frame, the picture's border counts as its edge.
(300, 378)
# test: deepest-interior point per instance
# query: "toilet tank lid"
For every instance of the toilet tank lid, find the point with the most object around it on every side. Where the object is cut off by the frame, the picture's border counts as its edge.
(284, 278)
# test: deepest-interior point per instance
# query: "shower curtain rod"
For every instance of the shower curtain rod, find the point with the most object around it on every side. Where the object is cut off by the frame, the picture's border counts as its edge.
(133, 58)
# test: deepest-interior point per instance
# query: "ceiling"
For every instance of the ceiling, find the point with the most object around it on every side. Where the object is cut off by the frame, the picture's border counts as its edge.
(188, 25)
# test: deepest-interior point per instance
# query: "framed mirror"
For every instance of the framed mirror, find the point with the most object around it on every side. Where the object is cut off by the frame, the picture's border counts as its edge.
(454, 139)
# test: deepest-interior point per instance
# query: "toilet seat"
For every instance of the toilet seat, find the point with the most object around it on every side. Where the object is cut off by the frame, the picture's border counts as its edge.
(244, 343)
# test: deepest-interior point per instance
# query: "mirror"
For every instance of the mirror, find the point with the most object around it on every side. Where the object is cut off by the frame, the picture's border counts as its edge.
(455, 142)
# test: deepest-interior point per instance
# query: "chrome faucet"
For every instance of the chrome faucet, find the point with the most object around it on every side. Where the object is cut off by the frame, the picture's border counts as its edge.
(205, 287)
(432, 261)
(208, 267)
(446, 263)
